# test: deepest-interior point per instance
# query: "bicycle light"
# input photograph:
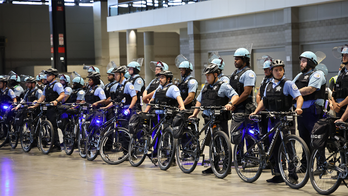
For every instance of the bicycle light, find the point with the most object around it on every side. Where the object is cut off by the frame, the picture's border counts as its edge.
(125, 112)
(5, 107)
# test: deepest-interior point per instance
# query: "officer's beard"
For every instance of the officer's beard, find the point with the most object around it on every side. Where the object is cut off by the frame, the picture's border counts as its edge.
(344, 63)
(13, 83)
(111, 80)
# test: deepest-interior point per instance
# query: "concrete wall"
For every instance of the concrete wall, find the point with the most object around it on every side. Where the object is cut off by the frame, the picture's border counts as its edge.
(27, 30)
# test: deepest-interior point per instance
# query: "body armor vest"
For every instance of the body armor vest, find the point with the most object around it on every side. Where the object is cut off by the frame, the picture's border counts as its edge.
(275, 99)
(73, 96)
(183, 87)
(161, 97)
(119, 94)
(153, 86)
(40, 86)
(50, 94)
(341, 88)
(303, 81)
(238, 86)
(90, 97)
(4, 98)
(263, 86)
(210, 95)
(107, 88)
(140, 93)
(30, 95)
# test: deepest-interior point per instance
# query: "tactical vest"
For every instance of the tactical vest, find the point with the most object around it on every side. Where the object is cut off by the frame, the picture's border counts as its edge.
(341, 88)
(120, 94)
(4, 98)
(153, 86)
(107, 88)
(161, 97)
(30, 95)
(303, 81)
(73, 96)
(140, 93)
(40, 86)
(238, 86)
(210, 95)
(183, 87)
(50, 94)
(263, 86)
(90, 97)
(275, 99)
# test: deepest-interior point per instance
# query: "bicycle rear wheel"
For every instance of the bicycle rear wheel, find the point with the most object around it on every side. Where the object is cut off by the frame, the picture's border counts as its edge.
(13, 136)
(4, 129)
(247, 159)
(220, 153)
(114, 146)
(323, 171)
(26, 137)
(69, 138)
(92, 145)
(82, 142)
(46, 136)
(138, 148)
(290, 156)
(166, 149)
(187, 152)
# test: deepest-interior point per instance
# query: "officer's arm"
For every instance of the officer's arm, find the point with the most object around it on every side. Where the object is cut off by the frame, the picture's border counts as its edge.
(258, 98)
(344, 117)
(99, 102)
(134, 100)
(189, 98)
(180, 102)
(108, 101)
(299, 102)
(15, 100)
(147, 97)
(245, 94)
(148, 107)
(61, 97)
(42, 98)
(307, 90)
(66, 97)
(259, 108)
(196, 111)
(343, 103)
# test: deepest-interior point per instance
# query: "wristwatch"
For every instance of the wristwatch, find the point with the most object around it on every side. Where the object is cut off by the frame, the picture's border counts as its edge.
(230, 103)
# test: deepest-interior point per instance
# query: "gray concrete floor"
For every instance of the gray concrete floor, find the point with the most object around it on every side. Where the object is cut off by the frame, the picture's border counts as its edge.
(37, 174)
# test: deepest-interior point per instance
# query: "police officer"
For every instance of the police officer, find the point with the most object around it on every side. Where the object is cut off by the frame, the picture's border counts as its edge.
(14, 83)
(216, 93)
(123, 90)
(54, 93)
(167, 93)
(112, 82)
(65, 81)
(332, 81)
(6, 94)
(278, 96)
(39, 81)
(95, 95)
(242, 81)
(32, 93)
(137, 81)
(340, 93)
(188, 85)
(151, 88)
(78, 94)
(92, 69)
(221, 63)
(268, 77)
(312, 86)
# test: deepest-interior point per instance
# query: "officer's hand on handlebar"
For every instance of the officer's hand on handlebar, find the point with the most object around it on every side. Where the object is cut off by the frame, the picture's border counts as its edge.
(339, 120)
(229, 106)
(192, 116)
(94, 105)
(54, 102)
(181, 108)
(252, 114)
(298, 111)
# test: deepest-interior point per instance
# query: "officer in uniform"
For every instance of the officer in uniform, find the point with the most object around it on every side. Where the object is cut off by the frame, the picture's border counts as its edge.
(112, 82)
(242, 81)
(54, 93)
(6, 94)
(78, 94)
(137, 81)
(278, 96)
(268, 77)
(14, 84)
(65, 81)
(221, 63)
(188, 85)
(216, 93)
(151, 88)
(39, 81)
(332, 81)
(92, 69)
(340, 93)
(33, 93)
(95, 95)
(123, 90)
(312, 86)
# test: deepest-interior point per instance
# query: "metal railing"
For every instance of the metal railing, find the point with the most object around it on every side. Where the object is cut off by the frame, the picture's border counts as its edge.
(145, 5)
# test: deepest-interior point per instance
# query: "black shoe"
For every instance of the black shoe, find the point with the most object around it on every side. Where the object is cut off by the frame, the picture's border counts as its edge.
(208, 171)
(318, 172)
(56, 149)
(276, 179)
(293, 178)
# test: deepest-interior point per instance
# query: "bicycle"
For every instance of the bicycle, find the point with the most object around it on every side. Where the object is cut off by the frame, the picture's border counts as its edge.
(38, 127)
(328, 165)
(115, 141)
(250, 158)
(142, 143)
(190, 148)
(6, 124)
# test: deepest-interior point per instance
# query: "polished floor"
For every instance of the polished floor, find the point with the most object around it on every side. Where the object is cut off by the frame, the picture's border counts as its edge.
(58, 174)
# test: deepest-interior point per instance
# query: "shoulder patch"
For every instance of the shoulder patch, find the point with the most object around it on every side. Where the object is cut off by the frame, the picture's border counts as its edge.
(139, 81)
(225, 81)
(18, 88)
(251, 75)
(192, 82)
(176, 89)
(68, 90)
(12, 93)
(317, 75)
(229, 86)
(60, 85)
(131, 87)
(102, 92)
(294, 87)
(81, 93)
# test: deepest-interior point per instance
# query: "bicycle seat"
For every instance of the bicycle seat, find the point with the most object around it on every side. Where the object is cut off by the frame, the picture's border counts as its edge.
(194, 120)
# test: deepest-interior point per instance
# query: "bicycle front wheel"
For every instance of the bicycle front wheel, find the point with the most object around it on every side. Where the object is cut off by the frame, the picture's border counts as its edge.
(26, 137)
(4, 129)
(247, 159)
(46, 136)
(114, 146)
(187, 152)
(69, 138)
(166, 149)
(82, 142)
(323, 171)
(220, 153)
(138, 148)
(13, 136)
(293, 159)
